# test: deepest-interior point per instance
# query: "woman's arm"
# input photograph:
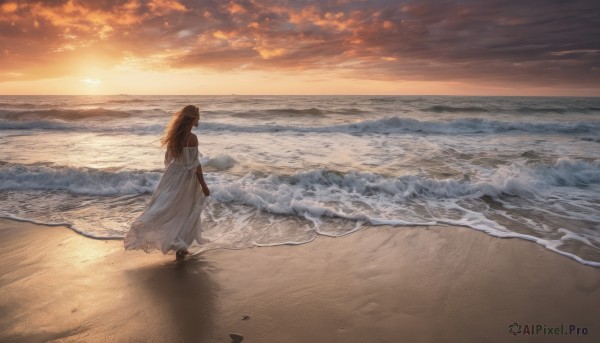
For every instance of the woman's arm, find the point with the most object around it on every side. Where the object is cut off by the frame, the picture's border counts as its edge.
(168, 158)
(193, 142)
(200, 176)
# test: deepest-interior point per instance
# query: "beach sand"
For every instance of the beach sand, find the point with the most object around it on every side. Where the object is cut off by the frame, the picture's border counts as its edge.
(384, 284)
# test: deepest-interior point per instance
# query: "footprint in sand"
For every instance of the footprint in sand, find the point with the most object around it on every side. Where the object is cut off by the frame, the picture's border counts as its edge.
(236, 338)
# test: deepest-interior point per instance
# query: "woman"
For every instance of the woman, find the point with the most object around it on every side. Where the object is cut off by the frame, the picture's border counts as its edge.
(171, 220)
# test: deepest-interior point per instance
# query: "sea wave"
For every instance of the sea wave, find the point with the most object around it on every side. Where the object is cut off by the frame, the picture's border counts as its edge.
(127, 101)
(335, 202)
(28, 112)
(468, 109)
(87, 181)
(40, 125)
(558, 110)
(387, 125)
(517, 179)
(69, 114)
(408, 125)
(99, 126)
(293, 111)
(312, 112)
(17, 105)
(511, 110)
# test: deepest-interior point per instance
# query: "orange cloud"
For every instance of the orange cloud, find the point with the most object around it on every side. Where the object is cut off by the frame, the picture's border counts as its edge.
(266, 53)
(472, 41)
(235, 8)
(166, 6)
(220, 35)
(9, 7)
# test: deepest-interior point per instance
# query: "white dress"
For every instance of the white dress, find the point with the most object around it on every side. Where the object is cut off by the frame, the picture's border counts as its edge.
(171, 220)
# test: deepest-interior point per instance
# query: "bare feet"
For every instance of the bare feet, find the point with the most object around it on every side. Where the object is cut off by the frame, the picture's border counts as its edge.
(180, 254)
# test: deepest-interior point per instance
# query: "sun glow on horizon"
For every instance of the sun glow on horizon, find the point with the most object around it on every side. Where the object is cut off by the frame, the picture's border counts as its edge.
(90, 81)
(200, 82)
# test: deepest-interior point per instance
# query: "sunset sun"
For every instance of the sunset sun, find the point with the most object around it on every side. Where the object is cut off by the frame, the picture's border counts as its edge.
(91, 81)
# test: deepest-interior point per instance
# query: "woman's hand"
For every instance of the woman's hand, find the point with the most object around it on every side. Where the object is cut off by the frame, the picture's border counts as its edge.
(200, 177)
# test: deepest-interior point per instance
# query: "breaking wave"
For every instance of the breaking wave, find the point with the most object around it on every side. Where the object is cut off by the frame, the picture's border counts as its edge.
(515, 179)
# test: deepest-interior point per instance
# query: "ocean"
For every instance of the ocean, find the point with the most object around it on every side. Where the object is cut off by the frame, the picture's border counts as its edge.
(286, 169)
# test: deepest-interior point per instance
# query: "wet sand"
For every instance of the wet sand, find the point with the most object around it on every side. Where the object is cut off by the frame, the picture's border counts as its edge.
(384, 284)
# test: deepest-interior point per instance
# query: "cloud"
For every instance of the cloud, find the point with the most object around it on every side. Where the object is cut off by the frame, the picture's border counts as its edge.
(497, 42)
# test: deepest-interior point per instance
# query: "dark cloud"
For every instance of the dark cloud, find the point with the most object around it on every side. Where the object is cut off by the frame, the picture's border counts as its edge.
(495, 42)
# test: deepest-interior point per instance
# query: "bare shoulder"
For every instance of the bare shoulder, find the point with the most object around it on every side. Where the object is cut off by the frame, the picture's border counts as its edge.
(192, 141)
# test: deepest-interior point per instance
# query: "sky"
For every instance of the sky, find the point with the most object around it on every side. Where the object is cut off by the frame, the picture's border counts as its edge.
(211, 47)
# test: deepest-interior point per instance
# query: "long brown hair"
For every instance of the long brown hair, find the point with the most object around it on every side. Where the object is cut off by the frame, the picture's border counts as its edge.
(177, 129)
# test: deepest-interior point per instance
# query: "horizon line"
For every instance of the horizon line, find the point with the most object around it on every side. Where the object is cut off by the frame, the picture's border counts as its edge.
(282, 95)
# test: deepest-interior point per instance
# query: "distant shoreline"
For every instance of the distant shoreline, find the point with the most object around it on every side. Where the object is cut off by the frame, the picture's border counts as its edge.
(313, 95)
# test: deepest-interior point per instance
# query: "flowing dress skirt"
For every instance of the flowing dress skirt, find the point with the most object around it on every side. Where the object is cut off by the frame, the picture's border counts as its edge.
(171, 220)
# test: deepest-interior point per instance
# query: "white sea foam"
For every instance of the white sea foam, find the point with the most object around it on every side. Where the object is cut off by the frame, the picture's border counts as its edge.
(221, 162)
(321, 195)
(77, 180)
(517, 179)
(307, 192)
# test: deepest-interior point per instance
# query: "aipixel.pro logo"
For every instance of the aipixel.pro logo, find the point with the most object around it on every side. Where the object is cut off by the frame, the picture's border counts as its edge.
(542, 329)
